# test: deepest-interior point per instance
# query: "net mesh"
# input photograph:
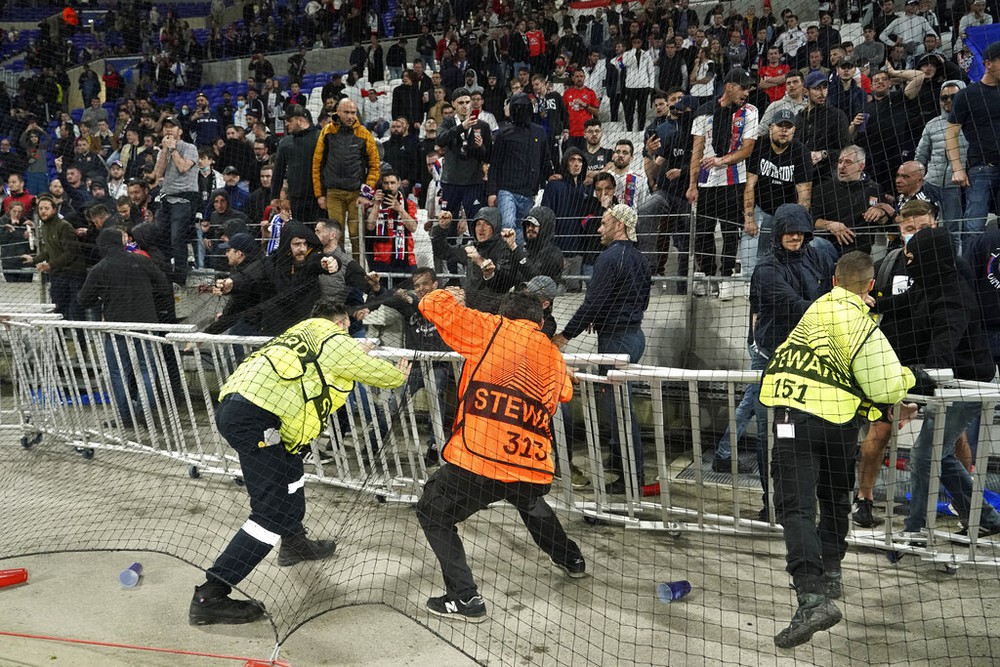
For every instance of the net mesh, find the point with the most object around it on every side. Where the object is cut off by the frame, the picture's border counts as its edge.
(674, 296)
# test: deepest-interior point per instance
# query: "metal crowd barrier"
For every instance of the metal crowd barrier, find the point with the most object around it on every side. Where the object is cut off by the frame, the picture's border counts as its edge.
(376, 444)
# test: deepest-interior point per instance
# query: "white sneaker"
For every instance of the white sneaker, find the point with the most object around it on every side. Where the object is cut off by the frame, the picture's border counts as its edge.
(727, 290)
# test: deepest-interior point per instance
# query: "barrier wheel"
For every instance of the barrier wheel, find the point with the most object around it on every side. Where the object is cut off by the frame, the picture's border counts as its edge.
(380, 498)
(85, 452)
(29, 442)
(238, 481)
(592, 521)
(674, 533)
(948, 568)
(894, 556)
(194, 473)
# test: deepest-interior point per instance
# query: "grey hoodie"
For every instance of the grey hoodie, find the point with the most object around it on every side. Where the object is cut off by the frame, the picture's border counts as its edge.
(931, 151)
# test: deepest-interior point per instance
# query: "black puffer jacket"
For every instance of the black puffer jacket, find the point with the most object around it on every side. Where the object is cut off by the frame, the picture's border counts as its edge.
(293, 162)
(128, 286)
(785, 283)
(953, 328)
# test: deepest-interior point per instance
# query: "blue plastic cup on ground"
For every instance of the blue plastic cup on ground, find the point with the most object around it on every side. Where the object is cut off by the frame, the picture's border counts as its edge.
(130, 576)
(672, 590)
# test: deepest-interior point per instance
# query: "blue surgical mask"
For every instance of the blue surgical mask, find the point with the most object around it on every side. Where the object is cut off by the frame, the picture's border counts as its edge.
(241, 104)
(906, 238)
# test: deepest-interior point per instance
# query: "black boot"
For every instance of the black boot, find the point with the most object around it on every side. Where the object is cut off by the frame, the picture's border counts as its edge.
(297, 548)
(833, 584)
(211, 604)
(816, 612)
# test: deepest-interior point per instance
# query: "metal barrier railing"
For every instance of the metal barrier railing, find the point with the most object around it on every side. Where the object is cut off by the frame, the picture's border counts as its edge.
(65, 390)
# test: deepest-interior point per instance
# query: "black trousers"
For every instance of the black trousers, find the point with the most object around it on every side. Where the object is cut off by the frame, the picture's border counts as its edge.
(817, 464)
(306, 209)
(274, 480)
(615, 102)
(453, 494)
(719, 204)
(636, 100)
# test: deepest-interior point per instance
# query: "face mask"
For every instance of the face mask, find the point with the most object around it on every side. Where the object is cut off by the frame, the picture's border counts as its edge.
(906, 238)
(241, 104)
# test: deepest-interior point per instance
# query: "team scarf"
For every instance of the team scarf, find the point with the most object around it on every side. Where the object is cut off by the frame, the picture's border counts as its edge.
(388, 225)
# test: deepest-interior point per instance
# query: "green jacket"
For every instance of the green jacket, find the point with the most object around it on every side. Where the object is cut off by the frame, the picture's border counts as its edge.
(836, 363)
(60, 248)
(304, 374)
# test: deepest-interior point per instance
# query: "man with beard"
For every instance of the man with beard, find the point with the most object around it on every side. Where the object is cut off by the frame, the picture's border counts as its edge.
(89, 163)
(631, 187)
(550, 112)
(293, 164)
(204, 123)
(61, 257)
(142, 208)
(391, 224)
(63, 207)
(597, 157)
(821, 128)
(724, 131)
(294, 269)
(888, 137)
(779, 171)
(519, 164)
(260, 198)
(402, 152)
(581, 105)
(492, 267)
(542, 257)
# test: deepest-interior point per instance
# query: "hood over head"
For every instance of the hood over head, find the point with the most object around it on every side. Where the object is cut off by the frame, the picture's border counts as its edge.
(219, 192)
(144, 235)
(491, 216)
(235, 226)
(933, 263)
(564, 166)
(790, 218)
(520, 109)
(109, 241)
(293, 230)
(546, 219)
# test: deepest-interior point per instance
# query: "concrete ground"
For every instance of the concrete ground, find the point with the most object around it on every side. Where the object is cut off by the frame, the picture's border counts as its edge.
(907, 613)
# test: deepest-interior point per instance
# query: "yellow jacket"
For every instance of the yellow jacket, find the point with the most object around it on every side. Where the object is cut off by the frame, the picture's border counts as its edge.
(836, 363)
(345, 159)
(305, 374)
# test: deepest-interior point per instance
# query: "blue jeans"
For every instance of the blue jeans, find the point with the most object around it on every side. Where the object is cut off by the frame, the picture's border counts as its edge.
(173, 222)
(765, 223)
(952, 209)
(954, 476)
(633, 343)
(443, 376)
(984, 182)
(513, 210)
(129, 411)
(748, 408)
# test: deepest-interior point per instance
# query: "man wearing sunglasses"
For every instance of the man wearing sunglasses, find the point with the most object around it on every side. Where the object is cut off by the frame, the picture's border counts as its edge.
(931, 153)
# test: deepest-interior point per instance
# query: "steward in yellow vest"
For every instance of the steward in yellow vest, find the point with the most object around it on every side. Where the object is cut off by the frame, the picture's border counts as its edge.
(272, 405)
(835, 367)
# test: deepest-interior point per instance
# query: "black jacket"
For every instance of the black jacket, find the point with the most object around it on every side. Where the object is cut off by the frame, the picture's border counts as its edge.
(295, 287)
(953, 327)
(520, 160)
(823, 129)
(403, 153)
(846, 203)
(901, 316)
(784, 284)
(482, 294)
(293, 162)
(128, 286)
(983, 255)
(408, 102)
(251, 287)
(542, 257)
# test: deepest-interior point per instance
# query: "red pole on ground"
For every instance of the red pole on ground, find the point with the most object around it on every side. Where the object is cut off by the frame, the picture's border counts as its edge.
(13, 577)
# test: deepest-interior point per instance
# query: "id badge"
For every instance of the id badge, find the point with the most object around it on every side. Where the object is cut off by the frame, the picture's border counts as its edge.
(785, 430)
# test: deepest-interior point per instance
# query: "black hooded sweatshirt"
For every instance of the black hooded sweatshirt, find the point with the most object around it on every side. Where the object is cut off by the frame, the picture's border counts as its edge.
(520, 161)
(953, 328)
(128, 286)
(785, 284)
(295, 287)
(569, 199)
(542, 257)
